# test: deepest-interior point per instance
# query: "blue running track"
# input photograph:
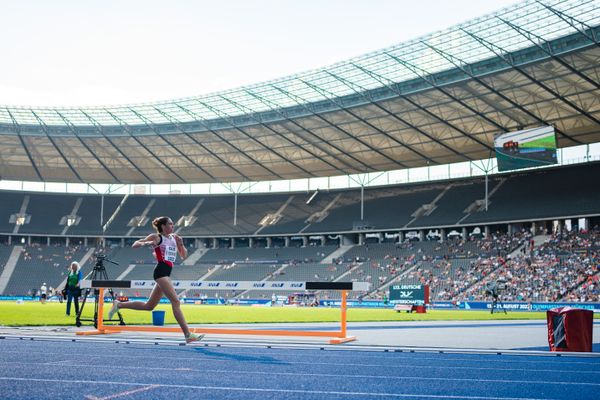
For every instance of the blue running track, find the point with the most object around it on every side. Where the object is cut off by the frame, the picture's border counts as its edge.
(55, 369)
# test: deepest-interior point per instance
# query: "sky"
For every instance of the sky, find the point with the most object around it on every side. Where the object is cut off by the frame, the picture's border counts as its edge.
(91, 53)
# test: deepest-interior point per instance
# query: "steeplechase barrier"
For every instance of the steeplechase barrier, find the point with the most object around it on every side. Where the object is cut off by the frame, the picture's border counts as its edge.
(336, 337)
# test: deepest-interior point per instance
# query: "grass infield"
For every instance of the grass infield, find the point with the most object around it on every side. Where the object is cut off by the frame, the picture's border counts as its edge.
(37, 314)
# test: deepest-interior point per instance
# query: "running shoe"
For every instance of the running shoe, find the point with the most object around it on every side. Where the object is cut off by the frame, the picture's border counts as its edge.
(113, 309)
(193, 337)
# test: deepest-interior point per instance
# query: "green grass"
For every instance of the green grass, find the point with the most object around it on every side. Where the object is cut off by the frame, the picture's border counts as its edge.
(548, 142)
(37, 314)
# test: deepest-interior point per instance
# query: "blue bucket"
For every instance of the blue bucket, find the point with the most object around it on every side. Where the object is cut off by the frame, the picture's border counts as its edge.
(158, 317)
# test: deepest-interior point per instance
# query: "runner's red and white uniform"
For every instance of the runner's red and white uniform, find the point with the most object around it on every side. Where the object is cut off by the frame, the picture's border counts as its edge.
(166, 251)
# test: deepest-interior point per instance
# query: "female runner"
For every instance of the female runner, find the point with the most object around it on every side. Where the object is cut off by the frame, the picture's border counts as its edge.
(166, 245)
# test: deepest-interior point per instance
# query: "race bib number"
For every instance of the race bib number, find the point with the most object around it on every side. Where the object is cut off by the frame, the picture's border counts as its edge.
(170, 253)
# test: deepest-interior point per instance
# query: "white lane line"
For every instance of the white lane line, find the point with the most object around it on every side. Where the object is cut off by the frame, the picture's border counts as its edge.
(121, 394)
(342, 352)
(55, 362)
(262, 343)
(335, 363)
(384, 377)
(266, 390)
(427, 367)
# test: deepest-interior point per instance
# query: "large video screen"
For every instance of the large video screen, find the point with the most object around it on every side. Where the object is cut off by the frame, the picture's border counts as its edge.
(524, 149)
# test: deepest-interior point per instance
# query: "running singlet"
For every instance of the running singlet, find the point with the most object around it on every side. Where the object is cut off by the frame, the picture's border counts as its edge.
(166, 251)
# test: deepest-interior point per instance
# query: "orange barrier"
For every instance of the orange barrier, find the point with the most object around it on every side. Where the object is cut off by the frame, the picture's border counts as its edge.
(336, 337)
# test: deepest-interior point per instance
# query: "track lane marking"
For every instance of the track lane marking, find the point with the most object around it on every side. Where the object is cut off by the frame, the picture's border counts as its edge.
(391, 377)
(121, 394)
(265, 390)
(427, 367)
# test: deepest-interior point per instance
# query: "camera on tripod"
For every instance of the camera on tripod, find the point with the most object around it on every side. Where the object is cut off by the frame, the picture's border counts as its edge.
(100, 258)
(494, 289)
(98, 273)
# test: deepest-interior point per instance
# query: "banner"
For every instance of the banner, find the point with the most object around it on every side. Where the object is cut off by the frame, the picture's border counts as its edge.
(230, 285)
(521, 306)
(408, 294)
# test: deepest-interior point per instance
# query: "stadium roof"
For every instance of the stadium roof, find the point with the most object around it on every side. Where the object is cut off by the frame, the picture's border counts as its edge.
(438, 99)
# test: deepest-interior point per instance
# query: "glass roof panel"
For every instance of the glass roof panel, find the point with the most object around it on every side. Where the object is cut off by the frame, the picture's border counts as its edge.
(319, 85)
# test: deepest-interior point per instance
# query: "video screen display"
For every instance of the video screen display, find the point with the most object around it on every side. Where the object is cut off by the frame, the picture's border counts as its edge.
(524, 149)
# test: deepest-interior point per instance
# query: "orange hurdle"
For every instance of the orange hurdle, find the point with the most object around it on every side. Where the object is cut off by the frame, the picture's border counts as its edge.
(336, 337)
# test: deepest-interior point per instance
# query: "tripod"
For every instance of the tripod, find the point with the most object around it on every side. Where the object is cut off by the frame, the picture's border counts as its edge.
(98, 273)
(497, 304)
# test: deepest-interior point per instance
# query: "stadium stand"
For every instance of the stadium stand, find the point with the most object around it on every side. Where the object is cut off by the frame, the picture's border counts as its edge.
(11, 204)
(306, 254)
(5, 252)
(543, 278)
(46, 211)
(301, 272)
(456, 268)
(216, 214)
(191, 272)
(174, 206)
(449, 210)
(565, 267)
(214, 218)
(132, 207)
(93, 211)
(38, 264)
(243, 272)
(384, 208)
(543, 194)
(300, 211)
(519, 197)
